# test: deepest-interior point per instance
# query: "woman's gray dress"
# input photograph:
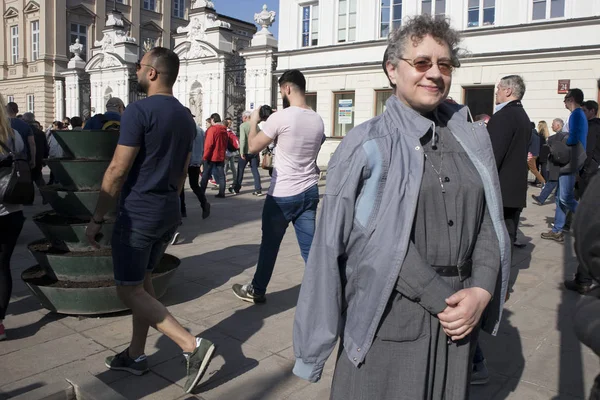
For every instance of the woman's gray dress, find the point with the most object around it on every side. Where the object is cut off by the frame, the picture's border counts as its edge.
(411, 357)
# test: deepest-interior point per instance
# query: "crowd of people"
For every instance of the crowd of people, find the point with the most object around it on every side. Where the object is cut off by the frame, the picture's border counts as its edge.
(409, 262)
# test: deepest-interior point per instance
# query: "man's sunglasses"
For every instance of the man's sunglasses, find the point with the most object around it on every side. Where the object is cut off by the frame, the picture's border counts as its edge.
(138, 66)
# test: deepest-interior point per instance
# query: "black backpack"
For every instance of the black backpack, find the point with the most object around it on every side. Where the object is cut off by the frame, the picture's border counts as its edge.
(110, 125)
(16, 185)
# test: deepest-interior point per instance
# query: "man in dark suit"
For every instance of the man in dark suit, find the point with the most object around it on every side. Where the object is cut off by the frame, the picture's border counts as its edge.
(510, 131)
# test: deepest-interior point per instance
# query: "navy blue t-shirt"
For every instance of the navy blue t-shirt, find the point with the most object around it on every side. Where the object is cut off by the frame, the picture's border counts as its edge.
(24, 130)
(164, 131)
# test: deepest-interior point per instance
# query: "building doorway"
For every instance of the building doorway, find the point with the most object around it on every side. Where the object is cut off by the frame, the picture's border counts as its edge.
(480, 99)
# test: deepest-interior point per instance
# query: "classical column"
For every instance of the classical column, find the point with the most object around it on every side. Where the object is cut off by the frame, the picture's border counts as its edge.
(59, 100)
(260, 62)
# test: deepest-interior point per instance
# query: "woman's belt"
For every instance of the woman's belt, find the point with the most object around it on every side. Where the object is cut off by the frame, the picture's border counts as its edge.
(463, 270)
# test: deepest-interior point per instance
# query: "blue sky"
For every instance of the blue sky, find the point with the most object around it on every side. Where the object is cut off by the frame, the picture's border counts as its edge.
(245, 10)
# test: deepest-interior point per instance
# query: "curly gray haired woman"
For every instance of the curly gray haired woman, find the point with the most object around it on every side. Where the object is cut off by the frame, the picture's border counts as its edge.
(411, 247)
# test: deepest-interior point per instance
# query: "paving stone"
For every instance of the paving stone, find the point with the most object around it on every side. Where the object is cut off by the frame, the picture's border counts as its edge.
(271, 379)
(85, 323)
(232, 358)
(31, 328)
(562, 370)
(93, 364)
(209, 305)
(45, 356)
(113, 334)
(147, 387)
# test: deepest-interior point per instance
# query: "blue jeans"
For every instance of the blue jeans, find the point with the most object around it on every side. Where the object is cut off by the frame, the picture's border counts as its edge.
(210, 168)
(547, 190)
(278, 212)
(565, 201)
(252, 159)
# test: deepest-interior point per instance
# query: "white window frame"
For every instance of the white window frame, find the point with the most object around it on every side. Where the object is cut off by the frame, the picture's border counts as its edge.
(35, 40)
(147, 5)
(179, 8)
(548, 10)
(481, 9)
(80, 35)
(433, 7)
(311, 19)
(31, 103)
(347, 22)
(14, 43)
(392, 17)
(10, 99)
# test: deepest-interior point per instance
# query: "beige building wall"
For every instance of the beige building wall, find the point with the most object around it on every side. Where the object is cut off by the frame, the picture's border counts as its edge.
(37, 80)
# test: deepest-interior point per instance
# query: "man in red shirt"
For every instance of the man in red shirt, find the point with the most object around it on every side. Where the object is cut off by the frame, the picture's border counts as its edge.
(215, 145)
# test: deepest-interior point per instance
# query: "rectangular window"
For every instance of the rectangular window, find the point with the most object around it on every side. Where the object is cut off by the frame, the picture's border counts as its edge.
(391, 16)
(150, 5)
(539, 9)
(431, 7)
(179, 8)
(557, 8)
(30, 103)
(346, 21)
(79, 31)
(311, 101)
(14, 43)
(10, 99)
(343, 105)
(381, 97)
(310, 25)
(481, 10)
(35, 40)
(546, 9)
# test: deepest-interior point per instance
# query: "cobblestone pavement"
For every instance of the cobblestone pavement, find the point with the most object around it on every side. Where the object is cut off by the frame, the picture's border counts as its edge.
(535, 355)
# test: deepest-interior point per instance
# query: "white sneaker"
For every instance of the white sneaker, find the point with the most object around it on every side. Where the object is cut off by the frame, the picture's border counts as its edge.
(175, 237)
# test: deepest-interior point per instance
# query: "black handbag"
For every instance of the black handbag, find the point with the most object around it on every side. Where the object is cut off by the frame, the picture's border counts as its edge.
(16, 185)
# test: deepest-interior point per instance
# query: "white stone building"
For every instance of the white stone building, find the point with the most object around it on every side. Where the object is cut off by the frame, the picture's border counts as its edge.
(339, 45)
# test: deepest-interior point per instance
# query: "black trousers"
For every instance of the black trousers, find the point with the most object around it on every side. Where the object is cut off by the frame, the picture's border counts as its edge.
(194, 178)
(511, 220)
(10, 229)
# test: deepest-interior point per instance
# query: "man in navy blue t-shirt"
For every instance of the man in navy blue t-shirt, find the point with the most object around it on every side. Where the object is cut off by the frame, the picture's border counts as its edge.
(148, 170)
(114, 109)
(24, 130)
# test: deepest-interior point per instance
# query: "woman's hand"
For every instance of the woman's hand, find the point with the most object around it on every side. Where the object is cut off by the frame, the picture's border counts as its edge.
(464, 312)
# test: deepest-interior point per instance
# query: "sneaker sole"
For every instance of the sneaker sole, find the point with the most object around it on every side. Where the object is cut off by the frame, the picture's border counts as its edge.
(480, 382)
(203, 367)
(253, 301)
(175, 237)
(136, 372)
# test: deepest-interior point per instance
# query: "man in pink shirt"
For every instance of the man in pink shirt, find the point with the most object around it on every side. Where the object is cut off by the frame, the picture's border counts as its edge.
(293, 195)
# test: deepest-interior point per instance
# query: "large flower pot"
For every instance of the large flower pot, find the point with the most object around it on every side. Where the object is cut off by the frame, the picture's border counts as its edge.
(79, 204)
(80, 266)
(99, 145)
(78, 174)
(74, 298)
(68, 234)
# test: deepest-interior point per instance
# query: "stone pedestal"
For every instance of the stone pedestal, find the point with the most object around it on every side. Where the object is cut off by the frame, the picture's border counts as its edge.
(260, 82)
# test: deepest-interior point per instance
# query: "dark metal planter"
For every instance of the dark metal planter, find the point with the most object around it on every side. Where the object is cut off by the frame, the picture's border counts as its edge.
(98, 145)
(73, 266)
(78, 174)
(90, 301)
(68, 234)
(72, 204)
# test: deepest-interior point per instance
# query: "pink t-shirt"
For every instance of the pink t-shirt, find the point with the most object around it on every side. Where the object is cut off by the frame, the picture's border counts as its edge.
(298, 133)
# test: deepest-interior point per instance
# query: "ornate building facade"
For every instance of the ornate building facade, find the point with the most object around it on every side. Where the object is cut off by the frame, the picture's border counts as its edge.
(66, 57)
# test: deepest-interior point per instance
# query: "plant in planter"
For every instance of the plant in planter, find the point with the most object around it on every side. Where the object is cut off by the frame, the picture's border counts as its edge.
(72, 277)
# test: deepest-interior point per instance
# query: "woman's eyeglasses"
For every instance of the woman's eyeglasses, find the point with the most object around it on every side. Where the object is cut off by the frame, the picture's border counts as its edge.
(422, 64)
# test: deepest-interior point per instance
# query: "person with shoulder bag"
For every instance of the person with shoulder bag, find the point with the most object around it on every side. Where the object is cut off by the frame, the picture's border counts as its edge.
(11, 212)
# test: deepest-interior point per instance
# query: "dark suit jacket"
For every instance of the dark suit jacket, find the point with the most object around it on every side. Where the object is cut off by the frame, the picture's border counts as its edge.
(510, 131)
